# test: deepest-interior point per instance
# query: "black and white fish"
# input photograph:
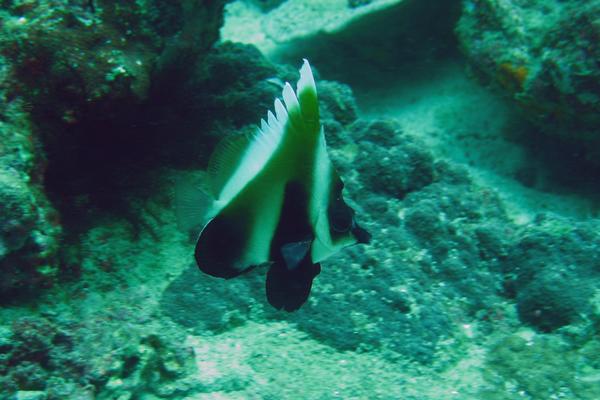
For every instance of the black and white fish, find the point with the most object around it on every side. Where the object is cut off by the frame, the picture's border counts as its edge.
(278, 201)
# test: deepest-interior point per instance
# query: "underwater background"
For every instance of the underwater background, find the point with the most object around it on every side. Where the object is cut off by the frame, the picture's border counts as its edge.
(467, 134)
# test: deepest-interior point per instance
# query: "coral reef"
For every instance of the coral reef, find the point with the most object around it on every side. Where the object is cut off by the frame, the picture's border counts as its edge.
(29, 226)
(552, 271)
(233, 84)
(268, 27)
(268, 5)
(73, 79)
(328, 17)
(104, 105)
(542, 367)
(34, 352)
(77, 61)
(42, 356)
(543, 54)
(402, 169)
(206, 304)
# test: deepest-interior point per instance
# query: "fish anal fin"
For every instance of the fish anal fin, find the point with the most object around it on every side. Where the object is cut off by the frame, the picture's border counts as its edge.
(289, 289)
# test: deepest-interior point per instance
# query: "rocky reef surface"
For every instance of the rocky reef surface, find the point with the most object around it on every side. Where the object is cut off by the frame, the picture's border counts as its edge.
(73, 79)
(29, 226)
(103, 107)
(544, 54)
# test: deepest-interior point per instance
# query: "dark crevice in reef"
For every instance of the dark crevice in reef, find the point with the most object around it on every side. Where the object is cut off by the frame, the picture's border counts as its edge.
(100, 160)
(99, 163)
(113, 151)
(101, 95)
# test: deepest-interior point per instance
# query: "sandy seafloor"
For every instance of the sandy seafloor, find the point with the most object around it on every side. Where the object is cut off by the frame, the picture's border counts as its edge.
(459, 120)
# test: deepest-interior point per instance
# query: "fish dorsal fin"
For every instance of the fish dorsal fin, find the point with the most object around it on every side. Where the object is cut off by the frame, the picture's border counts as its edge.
(302, 105)
(239, 158)
(306, 91)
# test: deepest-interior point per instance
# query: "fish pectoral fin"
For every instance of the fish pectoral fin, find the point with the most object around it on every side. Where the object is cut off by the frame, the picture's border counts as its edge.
(293, 253)
(193, 203)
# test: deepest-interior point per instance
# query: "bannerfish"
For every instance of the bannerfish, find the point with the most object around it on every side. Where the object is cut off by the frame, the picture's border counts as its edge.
(277, 201)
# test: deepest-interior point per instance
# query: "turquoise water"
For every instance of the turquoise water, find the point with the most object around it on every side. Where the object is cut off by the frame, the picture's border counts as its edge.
(466, 137)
